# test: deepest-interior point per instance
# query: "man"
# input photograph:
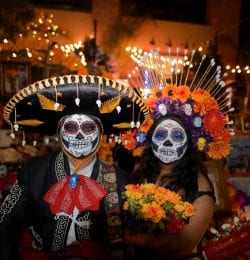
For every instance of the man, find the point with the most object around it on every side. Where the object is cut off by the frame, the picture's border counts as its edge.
(69, 198)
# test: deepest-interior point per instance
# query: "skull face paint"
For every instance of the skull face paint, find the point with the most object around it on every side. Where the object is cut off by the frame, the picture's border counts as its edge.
(169, 141)
(80, 135)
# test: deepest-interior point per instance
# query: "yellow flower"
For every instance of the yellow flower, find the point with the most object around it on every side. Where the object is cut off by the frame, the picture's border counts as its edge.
(189, 209)
(179, 207)
(148, 188)
(153, 204)
(126, 205)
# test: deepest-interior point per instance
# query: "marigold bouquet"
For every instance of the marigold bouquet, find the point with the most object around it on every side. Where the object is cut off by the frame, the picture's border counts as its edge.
(151, 208)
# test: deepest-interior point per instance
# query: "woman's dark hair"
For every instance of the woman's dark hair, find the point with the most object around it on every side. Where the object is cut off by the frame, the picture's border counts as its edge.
(185, 171)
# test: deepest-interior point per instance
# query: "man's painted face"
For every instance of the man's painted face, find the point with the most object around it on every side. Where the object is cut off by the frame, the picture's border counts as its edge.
(169, 141)
(80, 135)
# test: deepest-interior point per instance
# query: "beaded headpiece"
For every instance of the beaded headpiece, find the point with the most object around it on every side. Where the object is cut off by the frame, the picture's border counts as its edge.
(195, 91)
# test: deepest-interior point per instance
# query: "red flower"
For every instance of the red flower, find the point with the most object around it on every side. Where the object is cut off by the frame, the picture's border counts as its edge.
(174, 225)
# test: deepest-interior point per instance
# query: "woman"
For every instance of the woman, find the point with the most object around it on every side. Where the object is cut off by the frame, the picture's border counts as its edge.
(169, 160)
(187, 106)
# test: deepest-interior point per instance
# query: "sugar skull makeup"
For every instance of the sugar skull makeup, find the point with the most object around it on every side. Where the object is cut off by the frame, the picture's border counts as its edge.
(169, 141)
(79, 134)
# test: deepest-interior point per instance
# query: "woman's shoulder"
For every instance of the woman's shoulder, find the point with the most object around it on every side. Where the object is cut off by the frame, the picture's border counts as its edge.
(205, 187)
(204, 184)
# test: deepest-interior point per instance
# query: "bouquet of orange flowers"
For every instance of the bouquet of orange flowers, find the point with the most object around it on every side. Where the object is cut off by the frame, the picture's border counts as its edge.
(151, 208)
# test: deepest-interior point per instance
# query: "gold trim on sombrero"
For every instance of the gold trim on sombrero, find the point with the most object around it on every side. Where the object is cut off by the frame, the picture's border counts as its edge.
(122, 125)
(30, 122)
(49, 104)
(110, 105)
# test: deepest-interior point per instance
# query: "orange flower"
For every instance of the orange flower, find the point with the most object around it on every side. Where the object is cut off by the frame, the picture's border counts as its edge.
(214, 121)
(182, 93)
(128, 140)
(211, 104)
(145, 127)
(199, 95)
(134, 191)
(218, 149)
(222, 135)
(203, 101)
(150, 102)
(173, 197)
(153, 212)
(169, 90)
(156, 93)
(160, 197)
(152, 204)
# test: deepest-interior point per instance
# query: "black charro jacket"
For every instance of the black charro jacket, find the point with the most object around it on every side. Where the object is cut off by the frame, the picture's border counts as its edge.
(25, 205)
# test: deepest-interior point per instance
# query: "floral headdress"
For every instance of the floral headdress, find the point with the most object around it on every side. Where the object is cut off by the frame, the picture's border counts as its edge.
(173, 86)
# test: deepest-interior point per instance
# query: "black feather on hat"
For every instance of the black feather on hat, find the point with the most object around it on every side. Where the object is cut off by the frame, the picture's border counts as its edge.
(39, 106)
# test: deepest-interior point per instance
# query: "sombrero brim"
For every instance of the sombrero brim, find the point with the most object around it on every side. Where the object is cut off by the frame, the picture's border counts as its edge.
(39, 106)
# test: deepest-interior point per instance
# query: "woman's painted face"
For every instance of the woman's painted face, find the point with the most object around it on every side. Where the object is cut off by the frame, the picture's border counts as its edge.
(80, 135)
(169, 141)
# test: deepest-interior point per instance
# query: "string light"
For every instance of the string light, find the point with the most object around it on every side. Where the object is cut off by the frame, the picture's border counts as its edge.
(40, 33)
(137, 53)
(238, 69)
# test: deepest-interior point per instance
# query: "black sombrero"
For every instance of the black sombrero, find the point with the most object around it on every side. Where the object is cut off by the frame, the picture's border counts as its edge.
(39, 106)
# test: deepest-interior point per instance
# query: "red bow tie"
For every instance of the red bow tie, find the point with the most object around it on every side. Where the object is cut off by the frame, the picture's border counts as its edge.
(85, 194)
